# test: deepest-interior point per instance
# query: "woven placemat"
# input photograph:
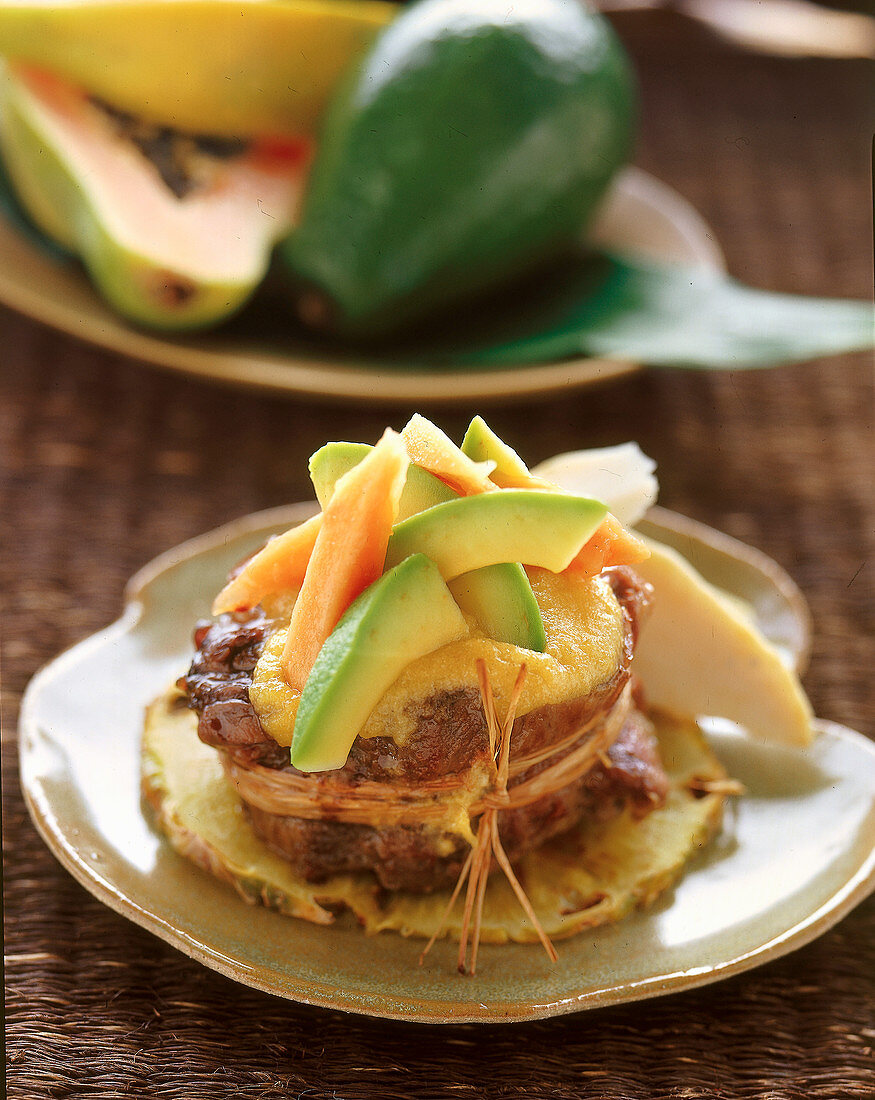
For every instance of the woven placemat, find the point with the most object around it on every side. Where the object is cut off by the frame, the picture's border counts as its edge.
(106, 463)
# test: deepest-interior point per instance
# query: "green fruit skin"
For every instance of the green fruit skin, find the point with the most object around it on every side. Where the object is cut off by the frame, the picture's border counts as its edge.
(14, 212)
(545, 529)
(407, 613)
(501, 601)
(476, 138)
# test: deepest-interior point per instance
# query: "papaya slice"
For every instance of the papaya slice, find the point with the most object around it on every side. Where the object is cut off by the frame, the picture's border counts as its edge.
(234, 67)
(434, 451)
(611, 545)
(278, 567)
(349, 552)
(160, 260)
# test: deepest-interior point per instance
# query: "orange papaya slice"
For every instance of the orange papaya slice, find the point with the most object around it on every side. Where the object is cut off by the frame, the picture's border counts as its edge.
(278, 567)
(611, 545)
(349, 552)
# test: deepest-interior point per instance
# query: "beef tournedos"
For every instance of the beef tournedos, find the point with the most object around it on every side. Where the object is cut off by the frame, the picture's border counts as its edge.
(450, 736)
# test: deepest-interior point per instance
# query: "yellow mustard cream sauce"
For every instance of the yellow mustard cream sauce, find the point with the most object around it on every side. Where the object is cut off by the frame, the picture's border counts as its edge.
(584, 627)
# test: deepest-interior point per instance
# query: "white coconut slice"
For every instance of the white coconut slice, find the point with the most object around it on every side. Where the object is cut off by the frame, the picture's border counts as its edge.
(622, 477)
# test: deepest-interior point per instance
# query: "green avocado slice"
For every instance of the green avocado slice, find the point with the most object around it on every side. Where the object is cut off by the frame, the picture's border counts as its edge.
(501, 601)
(482, 445)
(407, 613)
(514, 525)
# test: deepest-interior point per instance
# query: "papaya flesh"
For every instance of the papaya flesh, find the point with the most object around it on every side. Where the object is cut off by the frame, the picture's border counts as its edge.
(234, 67)
(474, 140)
(161, 260)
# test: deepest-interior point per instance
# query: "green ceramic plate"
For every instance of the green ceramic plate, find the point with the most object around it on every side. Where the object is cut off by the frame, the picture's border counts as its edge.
(641, 216)
(744, 901)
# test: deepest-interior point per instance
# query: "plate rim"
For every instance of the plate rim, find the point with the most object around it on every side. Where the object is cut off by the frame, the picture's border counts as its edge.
(320, 377)
(828, 912)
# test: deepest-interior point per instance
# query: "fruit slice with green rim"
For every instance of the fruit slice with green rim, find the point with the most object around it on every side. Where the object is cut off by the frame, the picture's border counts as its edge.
(421, 490)
(500, 600)
(211, 66)
(476, 139)
(510, 525)
(160, 260)
(482, 445)
(407, 613)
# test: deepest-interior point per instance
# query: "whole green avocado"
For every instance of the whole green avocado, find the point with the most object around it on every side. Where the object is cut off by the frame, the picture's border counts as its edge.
(476, 137)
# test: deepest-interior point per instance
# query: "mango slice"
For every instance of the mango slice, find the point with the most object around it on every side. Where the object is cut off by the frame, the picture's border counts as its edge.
(235, 67)
(698, 655)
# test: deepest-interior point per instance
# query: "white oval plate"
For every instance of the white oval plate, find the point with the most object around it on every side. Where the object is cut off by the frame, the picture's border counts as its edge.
(641, 216)
(796, 853)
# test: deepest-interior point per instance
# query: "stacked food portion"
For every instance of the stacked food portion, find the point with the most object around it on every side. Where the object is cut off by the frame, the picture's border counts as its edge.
(430, 685)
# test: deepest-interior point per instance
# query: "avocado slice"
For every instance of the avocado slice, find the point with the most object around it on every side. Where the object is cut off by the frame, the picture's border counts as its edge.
(405, 614)
(161, 260)
(482, 445)
(476, 139)
(514, 525)
(501, 601)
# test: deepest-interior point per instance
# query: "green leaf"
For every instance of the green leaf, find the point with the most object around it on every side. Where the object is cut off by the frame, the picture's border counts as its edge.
(605, 305)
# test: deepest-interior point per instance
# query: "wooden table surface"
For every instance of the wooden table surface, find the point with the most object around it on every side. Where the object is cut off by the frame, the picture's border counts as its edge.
(106, 463)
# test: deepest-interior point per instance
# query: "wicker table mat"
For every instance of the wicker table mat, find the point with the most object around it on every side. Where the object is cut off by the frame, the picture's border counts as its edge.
(106, 463)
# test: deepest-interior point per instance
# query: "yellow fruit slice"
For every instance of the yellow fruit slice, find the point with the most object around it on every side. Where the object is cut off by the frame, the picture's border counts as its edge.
(432, 450)
(236, 67)
(697, 654)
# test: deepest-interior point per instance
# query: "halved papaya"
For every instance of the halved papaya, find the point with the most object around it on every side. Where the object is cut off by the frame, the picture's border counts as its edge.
(168, 259)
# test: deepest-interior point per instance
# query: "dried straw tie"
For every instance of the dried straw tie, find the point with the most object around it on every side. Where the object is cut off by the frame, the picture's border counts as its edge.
(477, 866)
(318, 797)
